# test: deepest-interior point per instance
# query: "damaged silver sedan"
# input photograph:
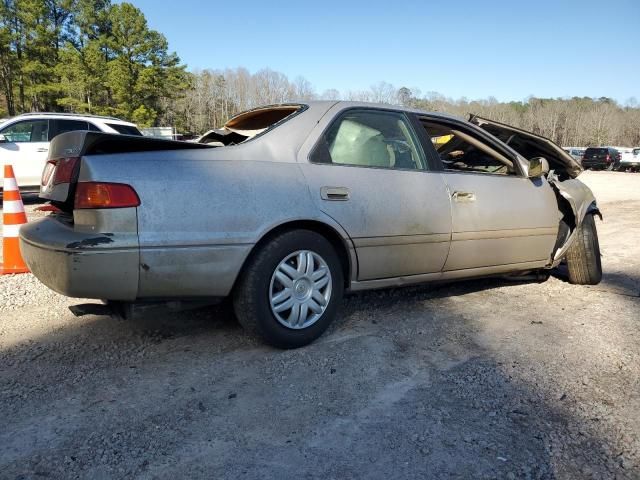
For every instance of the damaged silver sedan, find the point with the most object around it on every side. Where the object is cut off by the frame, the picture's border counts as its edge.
(287, 207)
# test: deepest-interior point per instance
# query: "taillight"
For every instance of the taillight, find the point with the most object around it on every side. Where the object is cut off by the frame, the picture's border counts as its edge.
(62, 169)
(608, 159)
(105, 195)
(49, 168)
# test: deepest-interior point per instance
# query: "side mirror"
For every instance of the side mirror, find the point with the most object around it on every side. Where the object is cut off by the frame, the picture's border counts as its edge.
(538, 166)
(3, 139)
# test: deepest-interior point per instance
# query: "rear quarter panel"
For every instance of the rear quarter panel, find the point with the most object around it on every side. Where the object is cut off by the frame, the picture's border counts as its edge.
(201, 213)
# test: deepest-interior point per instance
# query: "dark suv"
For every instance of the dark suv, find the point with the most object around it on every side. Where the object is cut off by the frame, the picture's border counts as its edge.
(601, 158)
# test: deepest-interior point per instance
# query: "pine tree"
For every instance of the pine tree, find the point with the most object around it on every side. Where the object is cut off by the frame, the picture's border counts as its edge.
(85, 56)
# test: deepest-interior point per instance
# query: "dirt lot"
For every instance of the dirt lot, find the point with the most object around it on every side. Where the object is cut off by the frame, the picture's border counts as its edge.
(481, 379)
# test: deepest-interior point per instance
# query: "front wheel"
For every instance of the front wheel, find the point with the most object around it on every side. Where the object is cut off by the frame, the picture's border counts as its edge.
(290, 289)
(583, 257)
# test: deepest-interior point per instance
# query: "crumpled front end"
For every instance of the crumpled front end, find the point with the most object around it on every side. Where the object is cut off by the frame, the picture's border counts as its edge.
(577, 200)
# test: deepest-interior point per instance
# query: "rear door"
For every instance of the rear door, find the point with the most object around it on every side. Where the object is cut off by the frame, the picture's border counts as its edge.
(368, 172)
(499, 216)
(26, 148)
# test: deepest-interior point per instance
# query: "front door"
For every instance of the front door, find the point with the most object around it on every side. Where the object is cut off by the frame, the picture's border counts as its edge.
(500, 220)
(26, 148)
(368, 172)
(499, 217)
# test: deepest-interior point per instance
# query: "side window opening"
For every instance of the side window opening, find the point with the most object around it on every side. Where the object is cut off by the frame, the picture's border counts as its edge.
(27, 131)
(125, 129)
(63, 126)
(250, 124)
(460, 151)
(369, 138)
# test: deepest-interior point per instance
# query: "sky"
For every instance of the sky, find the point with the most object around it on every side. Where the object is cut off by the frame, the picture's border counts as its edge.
(462, 48)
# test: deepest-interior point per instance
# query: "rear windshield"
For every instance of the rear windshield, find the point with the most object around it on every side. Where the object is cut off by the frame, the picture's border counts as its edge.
(125, 129)
(250, 124)
(596, 151)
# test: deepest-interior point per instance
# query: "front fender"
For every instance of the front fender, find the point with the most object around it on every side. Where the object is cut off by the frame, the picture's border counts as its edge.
(582, 202)
(594, 210)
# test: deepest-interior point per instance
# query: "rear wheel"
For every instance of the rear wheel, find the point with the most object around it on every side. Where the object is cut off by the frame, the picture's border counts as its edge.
(290, 290)
(583, 257)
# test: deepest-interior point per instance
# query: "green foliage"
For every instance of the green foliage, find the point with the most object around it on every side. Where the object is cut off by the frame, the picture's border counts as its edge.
(143, 116)
(85, 56)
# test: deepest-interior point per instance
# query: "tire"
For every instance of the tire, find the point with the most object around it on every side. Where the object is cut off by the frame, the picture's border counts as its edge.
(260, 284)
(583, 257)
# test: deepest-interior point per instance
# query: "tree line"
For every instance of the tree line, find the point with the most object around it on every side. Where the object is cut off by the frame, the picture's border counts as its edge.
(214, 95)
(92, 56)
(87, 56)
(577, 121)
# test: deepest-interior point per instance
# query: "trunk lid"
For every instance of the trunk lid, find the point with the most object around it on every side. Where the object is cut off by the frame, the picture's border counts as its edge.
(530, 145)
(66, 151)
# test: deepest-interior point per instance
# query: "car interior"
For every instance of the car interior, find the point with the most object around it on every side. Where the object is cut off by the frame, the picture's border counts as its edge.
(462, 152)
(370, 139)
(373, 139)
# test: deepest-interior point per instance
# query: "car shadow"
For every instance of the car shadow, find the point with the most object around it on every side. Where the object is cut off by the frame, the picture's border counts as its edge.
(613, 282)
(28, 198)
(32, 198)
(378, 396)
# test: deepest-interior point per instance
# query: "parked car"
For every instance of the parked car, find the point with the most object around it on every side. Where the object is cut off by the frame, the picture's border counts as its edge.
(601, 158)
(302, 203)
(24, 140)
(628, 161)
(576, 152)
(631, 164)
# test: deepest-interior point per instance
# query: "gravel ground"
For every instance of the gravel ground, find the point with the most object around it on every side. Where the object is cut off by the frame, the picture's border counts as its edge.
(478, 379)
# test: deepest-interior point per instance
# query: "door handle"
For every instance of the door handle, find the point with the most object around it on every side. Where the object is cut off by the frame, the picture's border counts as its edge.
(463, 197)
(335, 193)
(42, 150)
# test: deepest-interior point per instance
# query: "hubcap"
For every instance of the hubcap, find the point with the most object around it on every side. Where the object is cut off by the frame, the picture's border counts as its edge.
(300, 289)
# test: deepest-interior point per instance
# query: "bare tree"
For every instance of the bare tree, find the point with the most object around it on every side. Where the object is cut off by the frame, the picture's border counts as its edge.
(215, 95)
(331, 94)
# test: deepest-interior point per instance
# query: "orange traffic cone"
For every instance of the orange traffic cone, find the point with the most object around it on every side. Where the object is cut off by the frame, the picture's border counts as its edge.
(13, 217)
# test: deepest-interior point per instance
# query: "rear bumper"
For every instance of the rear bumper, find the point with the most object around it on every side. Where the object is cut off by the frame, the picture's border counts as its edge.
(81, 264)
(630, 164)
(595, 164)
